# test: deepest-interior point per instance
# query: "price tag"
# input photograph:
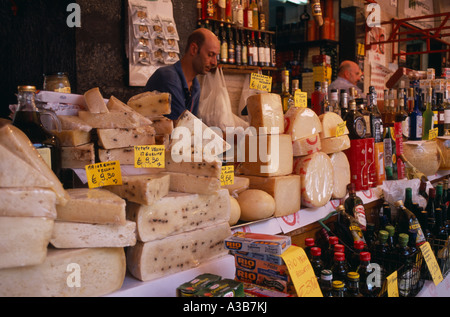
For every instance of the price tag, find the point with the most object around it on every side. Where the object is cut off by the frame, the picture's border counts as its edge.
(300, 99)
(149, 156)
(431, 262)
(433, 134)
(340, 129)
(301, 272)
(227, 175)
(260, 82)
(103, 174)
(392, 285)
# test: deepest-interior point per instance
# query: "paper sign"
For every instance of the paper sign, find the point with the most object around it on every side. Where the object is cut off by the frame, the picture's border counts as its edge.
(433, 134)
(103, 174)
(301, 272)
(431, 262)
(149, 156)
(300, 99)
(392, 285)
(261, 82)
(340, 129)
(227, 175)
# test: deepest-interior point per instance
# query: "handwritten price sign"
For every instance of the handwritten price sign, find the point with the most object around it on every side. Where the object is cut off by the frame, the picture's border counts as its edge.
(392, 285)
(103, 174)
(340, 129)
(260, 82)
(227, 175)
(149, 156)
(431, 262)
(300, 99)
(433, 134)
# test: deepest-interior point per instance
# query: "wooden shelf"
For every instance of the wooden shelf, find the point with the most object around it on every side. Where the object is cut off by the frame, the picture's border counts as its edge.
(245, 69)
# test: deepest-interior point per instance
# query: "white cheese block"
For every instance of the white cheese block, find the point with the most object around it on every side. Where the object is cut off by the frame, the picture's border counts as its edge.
(77, 156)
(342, 174)
(317, 178)
(94, 101)
(211, 168)
(142, 189)
(115, 104)
(23, 241)
(306, 146)
(150, 260)
(93, 205)
(120, 138)
(72, 137)
(111, 120)
(235, 211)
(68, 235)
(266, 155)
(28, 202)
(89, 272)
(124, 155)
(73, 123)
(330, 121)
(335, 144)
(239, 185)
(284, 189)
(161, 124)
(255, 205)
(177, 213)
(194, 184)
(300, 123)
(151, 103)
(266, 111)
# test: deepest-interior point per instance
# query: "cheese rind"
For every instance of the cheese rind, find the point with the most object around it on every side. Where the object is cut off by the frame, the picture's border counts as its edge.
(151, 103)
(150, 260)
(300, 123)
(77, 156)
(194, 184)
(111, 119)
(120, 138)
(330, 122)
(266, 111)
(342, 174)
(94, 101)
(124, 155)
(28, 202)
(306, 146)
(235, 211)
(88, 272)
(177, 213)
(335, 144)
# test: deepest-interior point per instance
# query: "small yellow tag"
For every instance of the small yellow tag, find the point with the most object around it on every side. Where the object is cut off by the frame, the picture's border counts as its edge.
(103, 174)
(300, 99)
(433, 134)
(340, 129)
(392, 285)
(432, 264)
(149, 156)
(260, 82)
(227, 175)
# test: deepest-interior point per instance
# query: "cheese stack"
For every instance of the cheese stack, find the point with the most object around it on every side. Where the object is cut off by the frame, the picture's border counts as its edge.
(267, 162)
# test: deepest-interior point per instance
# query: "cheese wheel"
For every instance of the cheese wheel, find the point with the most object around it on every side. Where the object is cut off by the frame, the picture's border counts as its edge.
(306, 146)
(266, 111)
(341, 168)
(335, 144)
(330, 122)
(235, 211)
(255, 204)
(425, 156)
(300, 123)
(317, 178)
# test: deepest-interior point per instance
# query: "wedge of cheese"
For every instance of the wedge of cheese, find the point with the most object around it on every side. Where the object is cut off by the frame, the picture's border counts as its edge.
(330, 122)
(151, 103)
(18, 143)
(93, 205)
(120, 138)
(115, 104)
(68, 235)
(150, 260)
(142, 189)
(94, 101)
(24, 241)
(335, 144)
(306, 146)
(284, 189)
(161, 124)
(194, 184)
(300, 123)
(73, 123)
(316, 177)
(124, 155)
(265, 111)
(342, 174)
(28, 202)
(210, 168)
(111, 119)
(177, 213)
(77, 156)
(89, 272)
(72, 137)
(239, 185)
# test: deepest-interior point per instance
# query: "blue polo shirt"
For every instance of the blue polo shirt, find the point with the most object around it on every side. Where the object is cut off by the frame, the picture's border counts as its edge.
(171, 79)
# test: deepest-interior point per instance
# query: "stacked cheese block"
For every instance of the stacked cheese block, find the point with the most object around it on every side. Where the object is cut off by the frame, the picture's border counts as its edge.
(31, 198)
(273, 189)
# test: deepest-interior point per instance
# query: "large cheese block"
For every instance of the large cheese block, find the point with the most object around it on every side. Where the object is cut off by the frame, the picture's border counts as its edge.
(300, 123)
(124, 155)
(284, 189)
(335, 144)
(115, 104)
(194, 184)
(317, 178)
(77, 156)
(142, 189)
(306, 146)
(162, 125)
(23, 241)
(265, 113)
(89, 272)
(177, 213)
(158, 258)
(342, 174)
(72, 137)
(330, 121)
(266, 155)
(111, 119)
(94, 101)
(18, 143)
(211, 168)
(28, 202)
(255, 204)
(120, 138)
(151, 103)
(239, 185)
(68, 235)
(93, 205)
(73, 123)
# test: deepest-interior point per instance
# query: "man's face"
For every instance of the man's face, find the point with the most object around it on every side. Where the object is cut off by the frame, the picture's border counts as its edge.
(206, 57)
(354, 74)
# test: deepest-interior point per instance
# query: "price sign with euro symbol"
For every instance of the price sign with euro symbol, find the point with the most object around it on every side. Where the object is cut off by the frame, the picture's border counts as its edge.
(149, 156)
(227, 175)
(260, 82)
(103, 174)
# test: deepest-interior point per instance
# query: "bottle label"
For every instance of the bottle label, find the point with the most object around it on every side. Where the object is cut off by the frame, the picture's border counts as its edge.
(244, 55)
(405, 127)
(447, 115)
(249, 18)
(419, 127)
(261, 55)
(360, 215)
(435, 117)
(415, 227)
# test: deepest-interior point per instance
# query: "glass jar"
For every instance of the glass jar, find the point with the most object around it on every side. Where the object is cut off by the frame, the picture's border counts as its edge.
(58, 82)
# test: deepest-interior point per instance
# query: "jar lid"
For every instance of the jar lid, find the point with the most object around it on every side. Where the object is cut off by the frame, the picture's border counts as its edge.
(353, 275)
(59, 74)
(338, 284)
(26, 88)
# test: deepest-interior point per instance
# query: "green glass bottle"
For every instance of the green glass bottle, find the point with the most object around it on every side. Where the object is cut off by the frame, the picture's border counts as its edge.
(409, 224)
(427, 116)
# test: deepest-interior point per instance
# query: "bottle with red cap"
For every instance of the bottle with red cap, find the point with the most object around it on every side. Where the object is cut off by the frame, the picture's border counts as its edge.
(367, 282)
(309, 243)
(316, 261)
(327, 255)
(358, 247)
(339, 267)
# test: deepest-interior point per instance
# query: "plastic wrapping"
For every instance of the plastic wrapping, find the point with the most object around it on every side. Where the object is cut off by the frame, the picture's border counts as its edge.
(301, 123)
(317, 178)
(342, 174)
(395, 190)
(330, 121)
(423, 155)
(444, 147)
(266, 111)
(336, 144)
(306, 146)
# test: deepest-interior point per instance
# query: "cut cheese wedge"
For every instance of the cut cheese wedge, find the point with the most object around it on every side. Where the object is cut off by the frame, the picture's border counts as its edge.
(194, 184)
(111, 119)
(124, 155)
(89, 272)
(72, 137)
(335, 144)
(300, 123)
(73, 123)
(94, 101)
(115, 104)
(28, 202)
(342, 174)
(266, 111)
(161, 124)
(306, 146)
(330, 122)
(151, 103)
(120, 138)
(77, 156)
(210, 168)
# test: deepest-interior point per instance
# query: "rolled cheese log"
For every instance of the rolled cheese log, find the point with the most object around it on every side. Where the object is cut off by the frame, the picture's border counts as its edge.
(330, 122)
(256, 204)
(300, 123)
(423, 155)
(342, 174)
(306, 146)
(235, 211)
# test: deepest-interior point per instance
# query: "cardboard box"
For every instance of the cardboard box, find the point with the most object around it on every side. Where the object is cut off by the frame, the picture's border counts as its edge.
(258, 243)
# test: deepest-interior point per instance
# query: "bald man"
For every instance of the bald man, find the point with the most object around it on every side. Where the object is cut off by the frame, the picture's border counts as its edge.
(180, 79)
(349, 74)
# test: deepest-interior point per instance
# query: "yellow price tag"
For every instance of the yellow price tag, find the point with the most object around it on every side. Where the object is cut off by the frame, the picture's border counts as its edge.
(260, 82)
(300, 99)
(301, 272)
(149, 156)
(392, 285)
(432, 264)
(103, 174)
(433, 134)
(340, 129)
(227, 175)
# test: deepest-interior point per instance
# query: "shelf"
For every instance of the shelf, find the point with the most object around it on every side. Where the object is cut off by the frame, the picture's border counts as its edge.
(306, 44)
(245, 69)
(235, 26)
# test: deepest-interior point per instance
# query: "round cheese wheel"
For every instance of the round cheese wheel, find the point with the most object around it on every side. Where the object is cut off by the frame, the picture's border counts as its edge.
(342, 174)
(255, 204)
(235, 211)
(330, 121)
(305, 146)
(300, 123)
(425, 156)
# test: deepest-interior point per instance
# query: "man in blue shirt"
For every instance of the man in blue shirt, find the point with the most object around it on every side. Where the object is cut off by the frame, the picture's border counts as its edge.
(180, 79)
(349, 74)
